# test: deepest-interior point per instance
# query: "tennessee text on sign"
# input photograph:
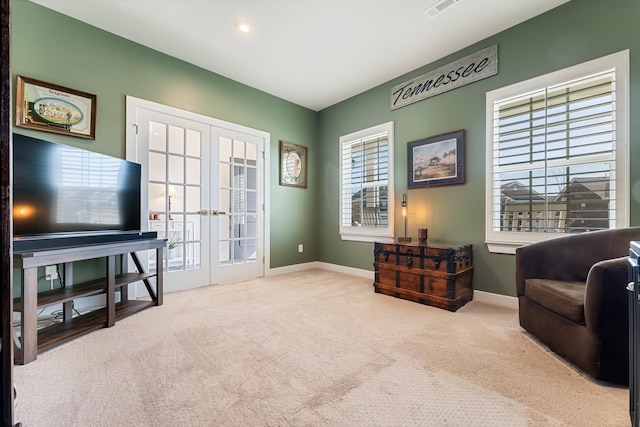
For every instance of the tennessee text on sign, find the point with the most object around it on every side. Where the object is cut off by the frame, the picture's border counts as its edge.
(469, 69)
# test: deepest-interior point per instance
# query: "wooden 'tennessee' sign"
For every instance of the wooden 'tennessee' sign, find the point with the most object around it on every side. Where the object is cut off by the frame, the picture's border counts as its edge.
(474, 67)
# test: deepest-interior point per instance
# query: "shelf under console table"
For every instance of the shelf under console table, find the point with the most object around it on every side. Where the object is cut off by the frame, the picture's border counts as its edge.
(435, 275)
(32, 339)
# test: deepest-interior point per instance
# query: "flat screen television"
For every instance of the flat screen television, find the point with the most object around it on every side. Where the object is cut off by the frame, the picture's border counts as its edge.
(62, 192)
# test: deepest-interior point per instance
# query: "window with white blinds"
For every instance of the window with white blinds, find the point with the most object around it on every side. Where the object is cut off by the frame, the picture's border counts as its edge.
(366, 199)
(557, 153)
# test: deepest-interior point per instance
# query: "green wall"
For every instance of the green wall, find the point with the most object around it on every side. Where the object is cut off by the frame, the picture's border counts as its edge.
(575, 32)
(95, 61)
(54, 48)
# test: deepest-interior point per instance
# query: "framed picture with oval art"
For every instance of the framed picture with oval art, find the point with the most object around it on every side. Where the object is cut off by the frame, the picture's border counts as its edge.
(438, 160)
(52, 108)
(293, 165)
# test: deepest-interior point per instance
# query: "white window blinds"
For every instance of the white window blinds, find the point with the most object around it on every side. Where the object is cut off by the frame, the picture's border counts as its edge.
(555, 162)
(365, 160)
(554, 159)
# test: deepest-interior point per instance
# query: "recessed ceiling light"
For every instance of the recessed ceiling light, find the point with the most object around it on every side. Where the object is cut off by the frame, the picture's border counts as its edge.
(243, 27)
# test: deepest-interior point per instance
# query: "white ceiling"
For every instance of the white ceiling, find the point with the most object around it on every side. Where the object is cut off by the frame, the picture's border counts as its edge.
(313, 53)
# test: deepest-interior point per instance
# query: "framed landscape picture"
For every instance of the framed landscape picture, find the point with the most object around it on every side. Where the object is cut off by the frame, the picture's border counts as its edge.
(438, 160)
(57, 109)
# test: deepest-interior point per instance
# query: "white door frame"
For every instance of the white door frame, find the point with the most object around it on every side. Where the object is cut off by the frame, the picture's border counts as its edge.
(133, 105)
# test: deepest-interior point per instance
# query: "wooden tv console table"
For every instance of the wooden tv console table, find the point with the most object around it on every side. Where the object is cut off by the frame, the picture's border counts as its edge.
(32, 340)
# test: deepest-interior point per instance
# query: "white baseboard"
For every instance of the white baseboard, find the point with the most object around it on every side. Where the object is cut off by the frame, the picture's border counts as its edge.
(292, 268)
(323, 266)
(366, 274)
(480, 296)
(495, 299)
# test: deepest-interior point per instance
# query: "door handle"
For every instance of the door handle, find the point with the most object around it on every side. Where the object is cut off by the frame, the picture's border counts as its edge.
(205, 212)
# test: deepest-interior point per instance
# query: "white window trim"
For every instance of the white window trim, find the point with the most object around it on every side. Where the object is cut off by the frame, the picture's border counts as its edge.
(370, 234)
(508, 242)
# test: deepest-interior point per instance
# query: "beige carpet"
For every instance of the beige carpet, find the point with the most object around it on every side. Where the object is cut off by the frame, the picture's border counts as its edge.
(310, 349)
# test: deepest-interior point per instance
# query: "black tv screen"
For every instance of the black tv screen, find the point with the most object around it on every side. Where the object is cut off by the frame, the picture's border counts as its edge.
(61, 190)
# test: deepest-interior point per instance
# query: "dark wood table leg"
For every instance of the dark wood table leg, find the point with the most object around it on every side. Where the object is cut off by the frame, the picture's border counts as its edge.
(111, 291)
(29, 316)
(67, 307)
(124, 268)
(159, 275)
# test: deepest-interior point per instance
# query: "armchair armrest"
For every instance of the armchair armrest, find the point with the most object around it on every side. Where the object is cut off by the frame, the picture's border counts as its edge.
(606, 295)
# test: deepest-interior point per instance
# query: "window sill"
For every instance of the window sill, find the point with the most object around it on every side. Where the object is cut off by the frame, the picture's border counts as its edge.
(503, 247)
(510, 246)
(356, 237)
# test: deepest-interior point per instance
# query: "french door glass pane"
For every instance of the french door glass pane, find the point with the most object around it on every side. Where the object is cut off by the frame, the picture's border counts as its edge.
(225, 252)
(238, 150)
(251, 249)
(224, 227)
(193, 171)
(176, 168)
(252, 229)
(225, 149)
(157, 136)
(192, 199)
(252, 181)
(252, 201)
(176, 139)
(252, 154)
(193, 143)
(224, 200)
(156, 201)
(225, 175)
(158, 172)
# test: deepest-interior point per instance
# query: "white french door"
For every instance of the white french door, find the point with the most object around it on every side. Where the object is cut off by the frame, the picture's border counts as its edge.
(239, 187)
(174, 152)
(203, 191)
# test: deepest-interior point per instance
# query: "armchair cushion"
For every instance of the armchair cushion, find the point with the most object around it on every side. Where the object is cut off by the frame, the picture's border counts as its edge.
(563, 298)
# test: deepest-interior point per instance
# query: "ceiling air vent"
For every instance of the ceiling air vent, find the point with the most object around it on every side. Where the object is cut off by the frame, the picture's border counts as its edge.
(439, 7)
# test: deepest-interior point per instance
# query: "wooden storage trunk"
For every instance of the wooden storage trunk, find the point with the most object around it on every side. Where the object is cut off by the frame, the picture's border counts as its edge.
(434, 275)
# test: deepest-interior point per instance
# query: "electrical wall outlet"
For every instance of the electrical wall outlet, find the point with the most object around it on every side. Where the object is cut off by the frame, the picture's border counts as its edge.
(300, 248)
(50, 272)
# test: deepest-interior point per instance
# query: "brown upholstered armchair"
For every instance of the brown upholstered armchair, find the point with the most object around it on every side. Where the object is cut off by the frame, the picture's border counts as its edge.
(572, 296)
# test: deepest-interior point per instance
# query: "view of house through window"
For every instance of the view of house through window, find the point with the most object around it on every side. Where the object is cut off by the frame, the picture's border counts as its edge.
(557, 154)
(365, 183)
